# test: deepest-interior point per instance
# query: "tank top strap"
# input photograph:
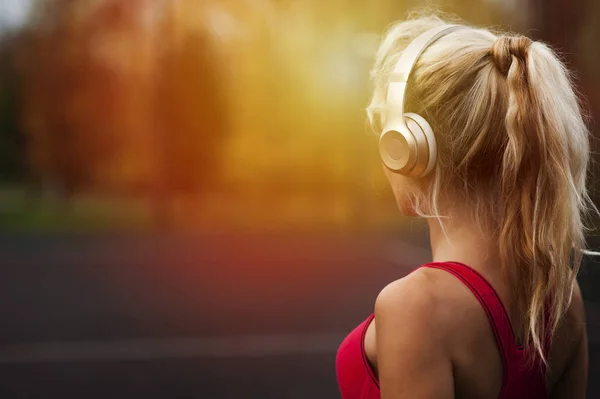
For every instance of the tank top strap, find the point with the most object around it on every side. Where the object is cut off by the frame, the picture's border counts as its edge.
(490, 302)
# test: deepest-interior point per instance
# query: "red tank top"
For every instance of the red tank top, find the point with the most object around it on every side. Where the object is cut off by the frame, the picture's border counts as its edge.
(521, 379)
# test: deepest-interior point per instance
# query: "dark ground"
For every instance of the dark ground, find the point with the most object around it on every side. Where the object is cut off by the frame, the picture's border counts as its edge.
(153, 317)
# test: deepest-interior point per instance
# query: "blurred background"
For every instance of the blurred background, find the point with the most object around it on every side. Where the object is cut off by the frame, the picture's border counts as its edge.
(191, 204)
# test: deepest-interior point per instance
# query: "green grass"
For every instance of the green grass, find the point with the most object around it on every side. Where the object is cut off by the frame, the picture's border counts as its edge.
(22, 212)
(219, 211)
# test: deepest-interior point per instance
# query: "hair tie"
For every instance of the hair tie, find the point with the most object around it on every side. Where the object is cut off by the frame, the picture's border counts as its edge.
(506, 47)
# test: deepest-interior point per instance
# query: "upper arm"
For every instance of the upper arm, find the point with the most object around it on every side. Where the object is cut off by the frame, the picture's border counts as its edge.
(411, 357)
(572, 383)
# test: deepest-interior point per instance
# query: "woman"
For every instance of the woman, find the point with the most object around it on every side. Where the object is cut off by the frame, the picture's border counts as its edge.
(501, 180)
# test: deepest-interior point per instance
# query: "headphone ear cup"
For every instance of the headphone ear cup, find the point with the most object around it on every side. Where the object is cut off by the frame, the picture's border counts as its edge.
(426, 144)
(397, 148)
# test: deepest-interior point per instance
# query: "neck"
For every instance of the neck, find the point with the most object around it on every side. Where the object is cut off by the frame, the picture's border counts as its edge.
(466, 243)
(462, 242)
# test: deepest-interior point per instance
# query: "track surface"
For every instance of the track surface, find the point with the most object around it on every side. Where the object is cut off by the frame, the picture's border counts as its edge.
(196, 316)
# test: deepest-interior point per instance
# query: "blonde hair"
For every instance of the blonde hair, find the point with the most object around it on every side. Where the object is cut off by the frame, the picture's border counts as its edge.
(512, 143)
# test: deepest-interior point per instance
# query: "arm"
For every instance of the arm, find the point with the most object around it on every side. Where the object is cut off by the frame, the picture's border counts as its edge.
(411, 357)
(572, 383)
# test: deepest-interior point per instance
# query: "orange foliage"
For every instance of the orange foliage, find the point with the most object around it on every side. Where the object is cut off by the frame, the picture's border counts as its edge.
(165, 97)
(117, 99)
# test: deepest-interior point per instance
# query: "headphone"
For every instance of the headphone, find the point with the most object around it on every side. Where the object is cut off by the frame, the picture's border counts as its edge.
(407, 144)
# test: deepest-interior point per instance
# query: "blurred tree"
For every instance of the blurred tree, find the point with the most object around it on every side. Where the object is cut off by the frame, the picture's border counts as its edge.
(70, 109)
(12, 167)
(123, 97)
(190, 109)
(140, 96)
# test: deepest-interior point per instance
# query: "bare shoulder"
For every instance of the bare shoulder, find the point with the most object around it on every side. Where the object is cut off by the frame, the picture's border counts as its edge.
(411, 293)
(424, 297)
(410, 339)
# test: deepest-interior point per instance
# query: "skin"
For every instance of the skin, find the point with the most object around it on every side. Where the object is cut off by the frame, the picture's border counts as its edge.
(442, 353)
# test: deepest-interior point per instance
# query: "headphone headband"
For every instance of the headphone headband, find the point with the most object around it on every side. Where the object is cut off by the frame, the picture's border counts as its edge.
(409, 58)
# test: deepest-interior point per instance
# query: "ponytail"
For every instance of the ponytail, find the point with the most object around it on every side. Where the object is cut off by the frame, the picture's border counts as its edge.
(543, 195)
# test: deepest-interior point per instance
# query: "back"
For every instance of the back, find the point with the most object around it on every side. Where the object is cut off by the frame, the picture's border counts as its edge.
(487, 361)
(481, 371)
